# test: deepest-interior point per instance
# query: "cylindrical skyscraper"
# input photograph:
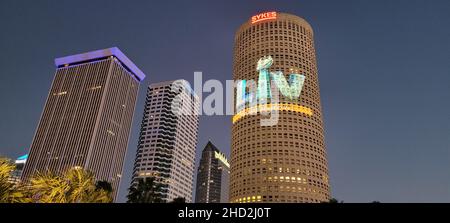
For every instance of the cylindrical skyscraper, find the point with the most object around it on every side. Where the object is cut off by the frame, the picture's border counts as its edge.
(285, 162)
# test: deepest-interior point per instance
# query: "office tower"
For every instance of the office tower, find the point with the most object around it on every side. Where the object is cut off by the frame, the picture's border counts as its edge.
(17, 173)
(212, 176)
(285, 162)
(168, 138)
(87, 116)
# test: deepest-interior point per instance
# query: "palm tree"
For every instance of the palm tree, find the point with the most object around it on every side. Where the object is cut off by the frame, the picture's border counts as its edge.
(10, 192)
(104, 191)
(179, 200)
(335, 201)
(105, 185)
(75, 186)
(145, 190)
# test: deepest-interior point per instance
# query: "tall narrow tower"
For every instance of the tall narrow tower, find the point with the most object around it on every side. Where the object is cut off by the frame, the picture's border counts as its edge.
(285, 162)
(168, 139)
(87, 118)
(212, 176)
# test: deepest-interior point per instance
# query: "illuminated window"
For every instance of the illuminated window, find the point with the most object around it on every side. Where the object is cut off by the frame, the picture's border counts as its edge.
(60, 93)
(95, 88)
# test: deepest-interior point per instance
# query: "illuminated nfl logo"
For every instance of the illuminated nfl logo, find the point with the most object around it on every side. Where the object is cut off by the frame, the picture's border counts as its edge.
(290, 90)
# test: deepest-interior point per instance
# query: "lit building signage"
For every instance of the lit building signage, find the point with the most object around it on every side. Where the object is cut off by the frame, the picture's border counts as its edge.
(222, 158)
(22, 159)
(264, 16)
(257, 100)
(272, 107)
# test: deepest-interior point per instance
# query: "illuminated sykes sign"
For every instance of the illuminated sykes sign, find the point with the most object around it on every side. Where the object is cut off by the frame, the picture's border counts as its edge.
(264, 16)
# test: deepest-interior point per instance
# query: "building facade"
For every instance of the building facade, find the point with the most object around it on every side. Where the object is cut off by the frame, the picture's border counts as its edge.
(212, 176)
(17, 173)
(87, 117)
(286, 162)
(168, 139)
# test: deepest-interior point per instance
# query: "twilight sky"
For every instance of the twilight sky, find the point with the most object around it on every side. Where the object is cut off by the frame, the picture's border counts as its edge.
(384, 71)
